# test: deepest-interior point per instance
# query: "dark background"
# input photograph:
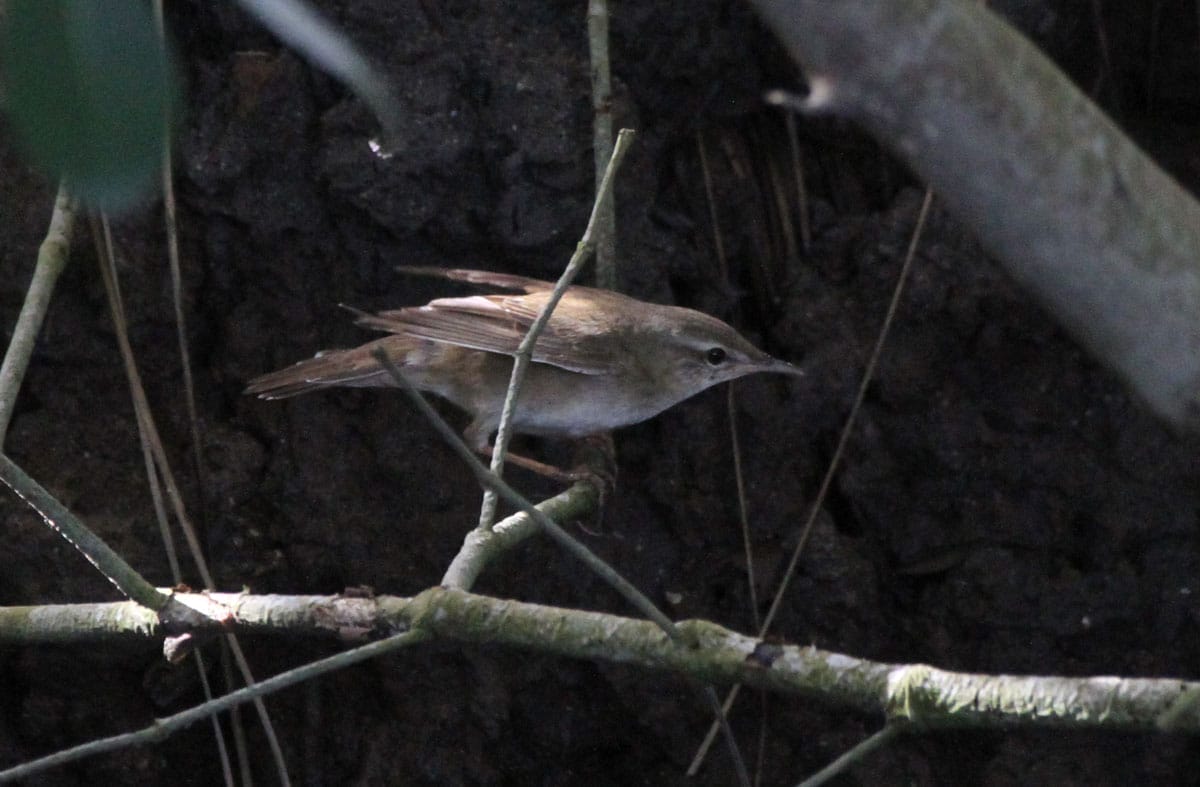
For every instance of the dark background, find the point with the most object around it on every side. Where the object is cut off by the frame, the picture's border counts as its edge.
(1004, 506)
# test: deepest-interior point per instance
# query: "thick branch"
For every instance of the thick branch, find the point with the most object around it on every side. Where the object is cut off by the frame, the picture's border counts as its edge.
(911, 693)
(1102, 236)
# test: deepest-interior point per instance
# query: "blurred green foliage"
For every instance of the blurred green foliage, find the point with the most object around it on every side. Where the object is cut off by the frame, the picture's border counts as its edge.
(88, 85)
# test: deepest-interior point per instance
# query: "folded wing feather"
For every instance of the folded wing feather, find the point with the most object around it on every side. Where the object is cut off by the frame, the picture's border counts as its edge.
(498, 324)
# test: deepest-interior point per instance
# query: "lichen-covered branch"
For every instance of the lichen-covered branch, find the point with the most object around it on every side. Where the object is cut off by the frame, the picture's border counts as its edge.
(914, 694)
(1106, 240)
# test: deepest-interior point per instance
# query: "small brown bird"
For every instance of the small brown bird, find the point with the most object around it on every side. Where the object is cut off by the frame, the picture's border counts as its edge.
(604, 360)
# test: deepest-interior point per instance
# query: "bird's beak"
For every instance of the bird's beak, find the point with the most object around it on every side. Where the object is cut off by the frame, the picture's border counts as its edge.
(783, 367)
(776, 366)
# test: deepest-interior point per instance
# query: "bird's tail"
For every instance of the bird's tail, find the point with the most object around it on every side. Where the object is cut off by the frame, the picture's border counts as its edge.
(355, 368)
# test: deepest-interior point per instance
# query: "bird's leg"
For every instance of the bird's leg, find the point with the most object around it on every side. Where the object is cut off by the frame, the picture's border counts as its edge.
(597, 461)
(597, 464)
(596, 456)
(534, 466)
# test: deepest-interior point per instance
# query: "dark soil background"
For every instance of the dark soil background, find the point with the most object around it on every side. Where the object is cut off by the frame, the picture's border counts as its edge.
(1005, 505)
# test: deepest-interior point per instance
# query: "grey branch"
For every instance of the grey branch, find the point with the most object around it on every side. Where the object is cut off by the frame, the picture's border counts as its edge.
(52, 258)
(1106, 240)
(912, 694)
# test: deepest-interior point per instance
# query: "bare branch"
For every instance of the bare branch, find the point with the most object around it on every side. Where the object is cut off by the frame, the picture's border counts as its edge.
(52, 258)
(1106, 240)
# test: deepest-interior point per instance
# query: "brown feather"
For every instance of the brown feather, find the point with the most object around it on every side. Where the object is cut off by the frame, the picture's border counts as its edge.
(505, 281)
(498, 323)
(355, 367)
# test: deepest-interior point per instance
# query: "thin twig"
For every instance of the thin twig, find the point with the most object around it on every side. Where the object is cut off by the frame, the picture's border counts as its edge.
(524, 353)
(843, 439)
(710, 736)
(141, 405)
(98, 553)
(481, 546)
(624, 587)
(260, 708)
(52, 258)
(164, 530)
(163, 728)
(490, 480)
(854, 755)
(783, 212)
(189, 393)
(185, 356)
(218, 733)
(602, 140)
(148, 431)
(760, 759)
(706, 176)
(731, 398)
(743, 505)
(798, 174)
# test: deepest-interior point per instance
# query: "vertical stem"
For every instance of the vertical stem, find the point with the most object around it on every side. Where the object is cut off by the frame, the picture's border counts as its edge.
(524, 353)
(789, 118)
(602, 140)
(172, 228)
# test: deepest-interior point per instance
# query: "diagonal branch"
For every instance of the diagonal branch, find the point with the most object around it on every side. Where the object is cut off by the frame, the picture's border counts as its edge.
(52, 258)
(1096, 231)
(98, 553)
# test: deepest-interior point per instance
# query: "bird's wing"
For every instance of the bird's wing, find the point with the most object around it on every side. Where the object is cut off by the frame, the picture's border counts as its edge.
(498, 323)
(504, 281)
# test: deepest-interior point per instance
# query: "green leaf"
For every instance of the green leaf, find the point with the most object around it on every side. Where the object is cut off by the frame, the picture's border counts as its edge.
(88, 86)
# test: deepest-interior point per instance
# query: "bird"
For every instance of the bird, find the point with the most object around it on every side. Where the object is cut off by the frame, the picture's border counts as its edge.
(604, 360)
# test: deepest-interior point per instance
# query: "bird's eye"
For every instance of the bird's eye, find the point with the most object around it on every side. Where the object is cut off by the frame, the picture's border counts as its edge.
(715, 356)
